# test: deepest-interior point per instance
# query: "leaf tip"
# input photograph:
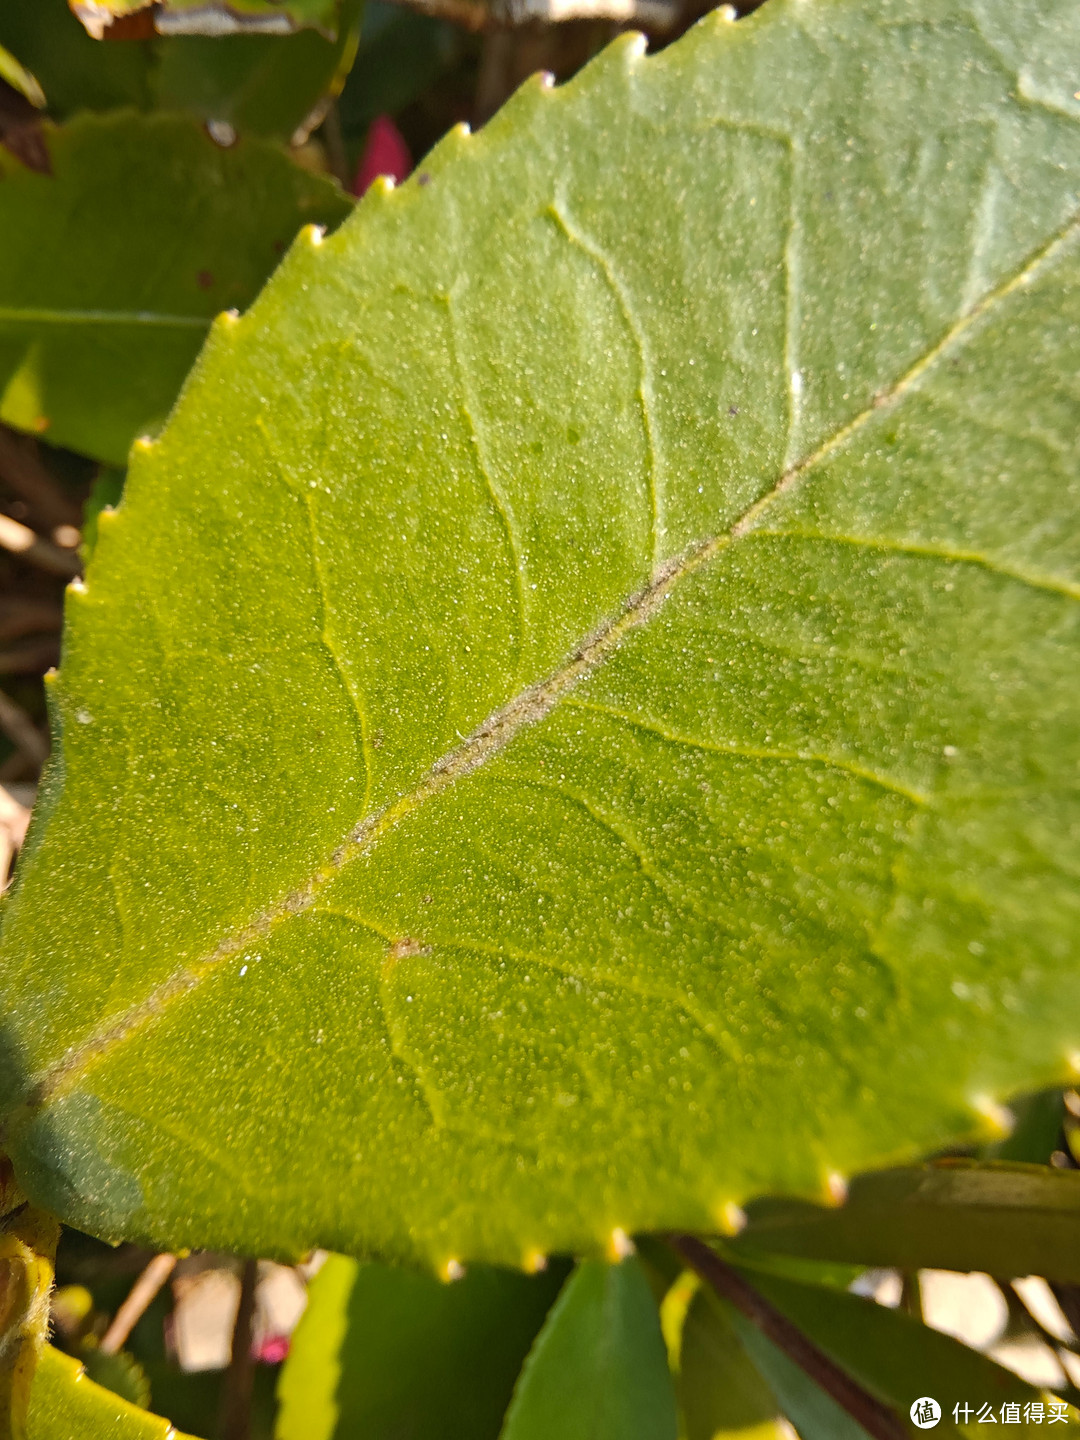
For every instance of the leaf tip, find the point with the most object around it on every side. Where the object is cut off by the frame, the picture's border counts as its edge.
(1072, 1060)
(998, 1118)
(619, 1245)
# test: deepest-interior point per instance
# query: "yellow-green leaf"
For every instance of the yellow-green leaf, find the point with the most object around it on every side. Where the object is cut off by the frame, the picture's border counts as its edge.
(573, 723)
(65, 1404)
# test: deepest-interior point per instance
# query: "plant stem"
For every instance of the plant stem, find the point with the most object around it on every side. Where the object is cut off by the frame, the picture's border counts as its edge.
(135, 1306)
(240, 1376)
(875, 1418)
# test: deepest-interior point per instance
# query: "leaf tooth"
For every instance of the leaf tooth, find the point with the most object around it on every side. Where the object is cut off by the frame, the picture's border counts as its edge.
(451, 1270)
(535, 1262)
(76, 586)
(730, 1218)
(835, 1189)
(998, 1118)
(144, 444)
(619, 1245)
(1072, 1060)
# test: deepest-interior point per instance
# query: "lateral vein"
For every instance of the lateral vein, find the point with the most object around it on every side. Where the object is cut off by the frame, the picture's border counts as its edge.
(527, 708)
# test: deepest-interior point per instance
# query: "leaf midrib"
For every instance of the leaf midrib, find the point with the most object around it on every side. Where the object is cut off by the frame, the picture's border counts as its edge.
(527, 708)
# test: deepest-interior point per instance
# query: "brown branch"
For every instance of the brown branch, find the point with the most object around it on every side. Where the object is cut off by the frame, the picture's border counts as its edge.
(875, 1418)
(22, 541)
(240, 1376)
(137, 1303)
(23, 471)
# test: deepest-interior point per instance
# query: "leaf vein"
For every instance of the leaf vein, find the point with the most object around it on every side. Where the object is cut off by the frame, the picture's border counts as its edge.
(527, 708)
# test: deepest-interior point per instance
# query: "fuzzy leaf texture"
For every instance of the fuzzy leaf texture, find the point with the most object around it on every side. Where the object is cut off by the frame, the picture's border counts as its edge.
(573, 723)
(65, 1403)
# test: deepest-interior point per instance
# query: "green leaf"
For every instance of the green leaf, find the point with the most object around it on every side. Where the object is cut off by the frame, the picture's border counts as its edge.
(65, 1403)
(815, 1413)
(119, 1372)
(719, 1388)
(263, 85)
(573, 724)
(112, 268)
(20, 79)
(598, 1370)
(259, 84)
(1004, 1219)
(384, 1351)
(894, 1356)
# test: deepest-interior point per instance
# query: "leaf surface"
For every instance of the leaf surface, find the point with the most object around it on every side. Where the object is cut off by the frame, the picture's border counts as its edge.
(573, 723)
(384, 1351)
(599, 1369)
(1003, 1219)
(113, 266)
(897, 1358)
(65, 1403)
(720, 1389)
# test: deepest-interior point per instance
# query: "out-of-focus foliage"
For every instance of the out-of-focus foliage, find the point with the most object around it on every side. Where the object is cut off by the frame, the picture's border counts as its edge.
(113, 265)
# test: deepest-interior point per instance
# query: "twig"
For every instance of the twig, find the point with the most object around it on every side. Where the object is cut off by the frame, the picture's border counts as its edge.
(137, 1303)
(23, 471)
(334, 141)
(21, 731)
(240, 1376)
(876, 1419)
(22, 541)
(658, 16)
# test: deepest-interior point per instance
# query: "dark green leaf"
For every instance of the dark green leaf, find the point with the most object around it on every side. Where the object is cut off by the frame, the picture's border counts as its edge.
(387, 1352)
(598, 1370)
(894, 1356)
(112, 267)
(1005, 1219)
(816, 1415)
(260, 84)
(573, 724)
(719, 1387)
